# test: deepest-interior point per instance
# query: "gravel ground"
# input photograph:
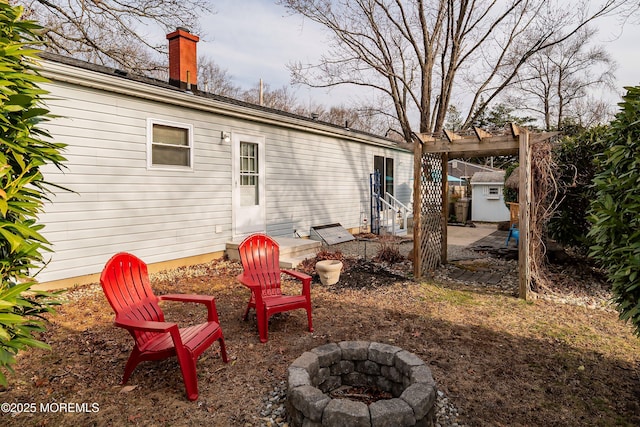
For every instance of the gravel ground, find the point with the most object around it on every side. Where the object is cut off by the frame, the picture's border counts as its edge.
(274, 413)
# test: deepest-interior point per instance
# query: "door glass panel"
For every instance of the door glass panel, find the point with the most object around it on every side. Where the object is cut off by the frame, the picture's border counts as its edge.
(384, 166)
(249, 195)
(388, 176)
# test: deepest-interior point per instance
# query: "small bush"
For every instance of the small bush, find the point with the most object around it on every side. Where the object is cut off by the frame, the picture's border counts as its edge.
(388, 252)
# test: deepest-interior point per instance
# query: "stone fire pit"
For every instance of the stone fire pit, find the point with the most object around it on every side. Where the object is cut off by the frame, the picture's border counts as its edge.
(316, 373)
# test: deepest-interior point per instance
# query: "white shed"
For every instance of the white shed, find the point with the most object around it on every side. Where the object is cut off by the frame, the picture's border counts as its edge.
(172, 174)
(487, 199)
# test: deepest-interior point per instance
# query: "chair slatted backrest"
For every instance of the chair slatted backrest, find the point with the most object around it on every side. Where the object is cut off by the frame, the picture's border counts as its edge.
(260, 256)
(125, 282)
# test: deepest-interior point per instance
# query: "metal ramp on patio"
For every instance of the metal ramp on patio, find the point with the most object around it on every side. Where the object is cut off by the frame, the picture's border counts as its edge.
(292, 251)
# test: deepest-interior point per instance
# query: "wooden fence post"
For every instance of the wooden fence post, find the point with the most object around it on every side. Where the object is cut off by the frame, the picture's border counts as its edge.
(525, 195)
(417, 209)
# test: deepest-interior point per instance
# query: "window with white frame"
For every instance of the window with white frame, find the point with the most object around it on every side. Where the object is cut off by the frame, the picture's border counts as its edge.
(169, 144)
(492, 192)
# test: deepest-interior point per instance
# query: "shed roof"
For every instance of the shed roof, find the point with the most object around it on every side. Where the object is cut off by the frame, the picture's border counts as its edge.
(496, 177)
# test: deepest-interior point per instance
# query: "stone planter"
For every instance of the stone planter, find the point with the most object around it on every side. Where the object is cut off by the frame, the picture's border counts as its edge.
(329, 271)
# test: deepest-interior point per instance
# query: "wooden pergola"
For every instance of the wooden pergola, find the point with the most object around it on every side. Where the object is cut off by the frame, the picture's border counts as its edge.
(430, 203)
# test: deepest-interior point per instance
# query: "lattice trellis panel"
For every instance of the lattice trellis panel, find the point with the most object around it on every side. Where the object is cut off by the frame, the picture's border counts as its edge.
(431, 212)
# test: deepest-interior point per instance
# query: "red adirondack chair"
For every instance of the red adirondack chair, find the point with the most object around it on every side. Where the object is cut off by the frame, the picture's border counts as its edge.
(125, 281)
(260, 256)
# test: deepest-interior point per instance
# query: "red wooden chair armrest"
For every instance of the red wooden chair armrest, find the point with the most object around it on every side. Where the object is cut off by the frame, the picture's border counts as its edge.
(200, 299)
(145, 325)
(304, 278)
(207, 300)
(297, 274)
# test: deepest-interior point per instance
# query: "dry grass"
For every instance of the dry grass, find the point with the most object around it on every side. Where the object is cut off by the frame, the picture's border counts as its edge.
(502, 361)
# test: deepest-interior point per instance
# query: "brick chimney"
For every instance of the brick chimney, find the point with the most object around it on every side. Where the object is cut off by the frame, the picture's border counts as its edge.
(183, 64)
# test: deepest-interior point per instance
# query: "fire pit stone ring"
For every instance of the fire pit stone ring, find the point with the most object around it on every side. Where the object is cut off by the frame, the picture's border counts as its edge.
(400, 373)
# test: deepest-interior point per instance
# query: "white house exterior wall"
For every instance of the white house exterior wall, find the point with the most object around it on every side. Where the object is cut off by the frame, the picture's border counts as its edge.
(486, 209)
(313, 177)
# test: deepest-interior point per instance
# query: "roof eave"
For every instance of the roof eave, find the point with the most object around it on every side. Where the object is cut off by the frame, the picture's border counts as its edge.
(61, 72)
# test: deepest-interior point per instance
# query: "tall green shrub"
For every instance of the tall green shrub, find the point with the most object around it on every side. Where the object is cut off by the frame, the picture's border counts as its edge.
(615, 210)
(24, 149)
(575, 160)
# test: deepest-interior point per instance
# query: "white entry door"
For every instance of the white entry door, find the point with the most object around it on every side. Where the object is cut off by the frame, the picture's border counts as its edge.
(249, 213)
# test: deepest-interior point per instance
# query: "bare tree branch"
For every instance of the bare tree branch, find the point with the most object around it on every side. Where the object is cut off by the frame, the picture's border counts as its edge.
(480, 48)
(114, 32)
(559, 76)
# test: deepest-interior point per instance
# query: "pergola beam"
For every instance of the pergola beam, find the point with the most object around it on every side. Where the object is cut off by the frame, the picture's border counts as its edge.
(471, 146)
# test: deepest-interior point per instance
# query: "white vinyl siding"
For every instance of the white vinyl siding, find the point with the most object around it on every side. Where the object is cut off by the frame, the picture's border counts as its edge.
(118, 203)
(315, 181)
(486, 205)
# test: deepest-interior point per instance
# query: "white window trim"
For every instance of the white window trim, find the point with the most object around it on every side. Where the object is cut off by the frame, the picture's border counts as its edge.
(487, 192)
(189, 127)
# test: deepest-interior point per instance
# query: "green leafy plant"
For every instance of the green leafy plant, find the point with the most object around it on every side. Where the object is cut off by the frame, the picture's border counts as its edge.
(575, 159)
(24, 149)
(615, 209)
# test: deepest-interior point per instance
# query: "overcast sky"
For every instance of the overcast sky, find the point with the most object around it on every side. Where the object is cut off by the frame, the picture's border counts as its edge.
(256, 39)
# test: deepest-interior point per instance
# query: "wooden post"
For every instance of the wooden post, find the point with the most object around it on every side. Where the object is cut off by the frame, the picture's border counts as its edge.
(445, 207)
(417, 210)
(525, 195)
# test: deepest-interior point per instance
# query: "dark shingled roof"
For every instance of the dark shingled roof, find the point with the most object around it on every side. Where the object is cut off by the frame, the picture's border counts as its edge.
(165, 85)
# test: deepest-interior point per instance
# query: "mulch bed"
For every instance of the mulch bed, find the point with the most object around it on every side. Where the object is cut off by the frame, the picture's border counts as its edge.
(501, 361)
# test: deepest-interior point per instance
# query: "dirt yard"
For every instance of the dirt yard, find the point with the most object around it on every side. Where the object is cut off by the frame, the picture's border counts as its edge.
(501, 361)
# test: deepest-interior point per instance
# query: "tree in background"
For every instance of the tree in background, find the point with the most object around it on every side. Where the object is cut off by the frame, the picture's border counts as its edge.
(24, 149)
(454, 119)
(420, 55)
(283, 98)
(555, 79)
(499, 116)
(214, 79)
(113, 32)
(615, 208)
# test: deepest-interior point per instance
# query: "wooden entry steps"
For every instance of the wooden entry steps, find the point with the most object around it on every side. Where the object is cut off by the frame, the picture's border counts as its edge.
(292, 251)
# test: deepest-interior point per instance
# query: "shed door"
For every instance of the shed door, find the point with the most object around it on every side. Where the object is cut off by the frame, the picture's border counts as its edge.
(248, 185)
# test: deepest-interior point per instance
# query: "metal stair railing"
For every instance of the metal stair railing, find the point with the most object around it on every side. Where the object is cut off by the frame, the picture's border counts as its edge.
(398, 208)
(392, 209)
